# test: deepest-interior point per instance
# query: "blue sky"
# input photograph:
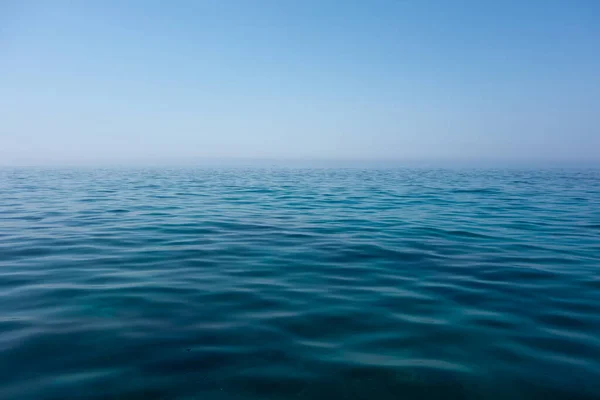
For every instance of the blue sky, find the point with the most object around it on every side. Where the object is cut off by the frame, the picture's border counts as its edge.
(156, 81)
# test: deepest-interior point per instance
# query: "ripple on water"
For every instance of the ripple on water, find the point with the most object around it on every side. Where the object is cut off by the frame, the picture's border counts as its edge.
(299, 283)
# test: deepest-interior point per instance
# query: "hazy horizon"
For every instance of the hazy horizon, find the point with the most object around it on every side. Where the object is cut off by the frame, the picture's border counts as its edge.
(402, 82)
(249, 162)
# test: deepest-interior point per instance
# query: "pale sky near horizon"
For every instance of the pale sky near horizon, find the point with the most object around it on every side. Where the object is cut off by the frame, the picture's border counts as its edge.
(119, 81)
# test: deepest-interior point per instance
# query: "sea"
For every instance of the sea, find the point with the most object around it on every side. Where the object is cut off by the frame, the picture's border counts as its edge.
(299, 283)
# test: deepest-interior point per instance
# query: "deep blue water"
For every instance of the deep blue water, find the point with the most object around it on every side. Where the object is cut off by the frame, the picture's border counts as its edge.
(299, 284)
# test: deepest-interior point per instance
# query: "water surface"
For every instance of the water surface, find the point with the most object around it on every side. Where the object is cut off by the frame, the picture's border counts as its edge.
(299, 284)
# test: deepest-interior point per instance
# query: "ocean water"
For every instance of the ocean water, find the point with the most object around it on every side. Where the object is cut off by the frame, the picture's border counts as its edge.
(299, 284)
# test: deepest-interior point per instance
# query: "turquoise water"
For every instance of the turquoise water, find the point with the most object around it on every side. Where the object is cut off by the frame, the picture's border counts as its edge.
(299, 284)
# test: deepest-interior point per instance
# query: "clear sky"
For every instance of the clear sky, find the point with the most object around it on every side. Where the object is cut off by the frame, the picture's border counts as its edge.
(117, 81)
